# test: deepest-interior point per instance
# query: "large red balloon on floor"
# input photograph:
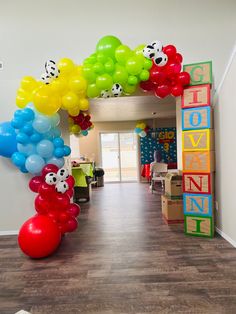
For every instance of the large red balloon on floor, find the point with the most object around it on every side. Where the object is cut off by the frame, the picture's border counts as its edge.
(39, 236)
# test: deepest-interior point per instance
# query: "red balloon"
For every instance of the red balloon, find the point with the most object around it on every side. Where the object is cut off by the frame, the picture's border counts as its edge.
(147, 86)
(71, 225)
(178, 58)
(177, 90)
(54, 215)
(39, 236)
(183, 78)
(173, 68)
(47, 191)
(157, 75)
(49, 168)
(62, 227)
(74, 210)
(162, 91)
(42, 205)
(64, 217)
(71, 182)
(170, 51)
(35, 183)
(70, 193)
(62, 202)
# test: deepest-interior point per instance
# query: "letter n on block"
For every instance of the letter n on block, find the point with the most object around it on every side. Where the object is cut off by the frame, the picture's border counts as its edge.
(198, 162)
(199, 226)
(197, 204)
(197, 118)
(196, 96)
(198, 183)
(200, 73)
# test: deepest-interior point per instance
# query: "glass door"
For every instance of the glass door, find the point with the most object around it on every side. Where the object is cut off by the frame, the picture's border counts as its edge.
(119, 156)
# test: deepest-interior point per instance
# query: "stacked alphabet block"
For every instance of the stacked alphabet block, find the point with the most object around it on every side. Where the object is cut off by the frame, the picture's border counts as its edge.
(198, 152)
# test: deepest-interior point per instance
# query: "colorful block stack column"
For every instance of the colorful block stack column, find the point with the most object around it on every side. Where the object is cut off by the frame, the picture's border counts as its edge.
(198, 152)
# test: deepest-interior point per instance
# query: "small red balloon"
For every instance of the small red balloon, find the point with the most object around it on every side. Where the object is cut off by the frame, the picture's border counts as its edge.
(47, 191)
(157, 75)
(42, 205)
(39, 236)
(35, 183)
(49, 168)
(177, 90)
(178, 58)
(64, 217)
(71, 225)
(146, 86)
(74, 210)
(183, 78)
(173, 68)
(62, 202)
(70, 193)
(162, 91)
(71, 182)
(170, 51)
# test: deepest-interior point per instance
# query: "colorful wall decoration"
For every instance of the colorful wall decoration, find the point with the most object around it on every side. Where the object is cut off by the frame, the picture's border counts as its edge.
(198, 152)
(162, 140)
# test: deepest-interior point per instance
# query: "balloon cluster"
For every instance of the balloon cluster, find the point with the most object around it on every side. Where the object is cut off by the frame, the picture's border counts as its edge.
(141, 129)
(165, 74)
(115, 69)
(40, 235)
(38, 141)
(65, 88)
(81, 124)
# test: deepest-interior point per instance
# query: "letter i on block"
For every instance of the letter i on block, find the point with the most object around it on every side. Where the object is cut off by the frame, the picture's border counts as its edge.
(199, 226)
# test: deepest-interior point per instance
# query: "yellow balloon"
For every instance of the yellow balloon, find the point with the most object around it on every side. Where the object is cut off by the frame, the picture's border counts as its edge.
(74, 111)
(84, 104)
(75, 128)
(28, 83)
(78, 84)
(142, 125)
(70, 100)
(22, 98)
(79, 70)
(66, 66)
(70, 121)
(59, 86)
(45, 101)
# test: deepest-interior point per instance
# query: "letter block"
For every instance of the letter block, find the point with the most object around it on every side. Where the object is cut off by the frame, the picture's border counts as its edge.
(198, 204)
(198, 183)
(196, 96)
(198, 162)
(200, 73)
(199, 226)
(198, 140)
(197, 118)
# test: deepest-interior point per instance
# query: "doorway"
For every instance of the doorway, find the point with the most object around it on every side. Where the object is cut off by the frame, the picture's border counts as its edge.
(119, 156)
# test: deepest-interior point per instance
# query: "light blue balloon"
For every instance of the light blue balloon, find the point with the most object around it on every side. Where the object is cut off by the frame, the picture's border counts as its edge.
(58, 142)
(18, 159)
(7, 139)
(84, 132)
(45, 149)
(27, 114)
(34, 164)
(27, 129)
(27, 150)
(59, 152)
(67, 150)
(36, 137)
(59, 162)
(42, 124)
(138, 130)
(56, 132)
(55, 119)
(22, 138)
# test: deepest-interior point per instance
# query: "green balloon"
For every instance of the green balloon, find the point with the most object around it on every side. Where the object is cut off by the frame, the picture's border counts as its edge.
(104, 81)
(134, 65)
(147, 64)
(120, 75)
(109, 66)
(88, 73)
(107, 46)
(98, 68)
(138, 51)
(132, 80)
(129, 89)
(93, 91)
(93, 58)
(144, 75)
(101, 57)
(122, 53)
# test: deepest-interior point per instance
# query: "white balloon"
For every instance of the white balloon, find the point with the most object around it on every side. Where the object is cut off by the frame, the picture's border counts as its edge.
(160, 59)
(157, 45)
(62, 187)
(149, 51)
(117, 90)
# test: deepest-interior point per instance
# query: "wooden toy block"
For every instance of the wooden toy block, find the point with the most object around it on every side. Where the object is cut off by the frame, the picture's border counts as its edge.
(199, 162)
(200, 73)
(197, 118)
(198, 204)
(198, 183)
(198, 140)
(196, 96)
(199, 226)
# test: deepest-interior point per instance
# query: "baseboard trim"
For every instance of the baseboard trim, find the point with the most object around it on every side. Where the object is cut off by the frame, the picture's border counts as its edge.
(226, 237)
(9, 232)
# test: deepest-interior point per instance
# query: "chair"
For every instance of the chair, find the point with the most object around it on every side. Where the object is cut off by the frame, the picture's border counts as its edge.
(158, 171)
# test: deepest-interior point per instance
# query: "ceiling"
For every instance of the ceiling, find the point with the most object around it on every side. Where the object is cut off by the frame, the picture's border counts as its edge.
(132, 108)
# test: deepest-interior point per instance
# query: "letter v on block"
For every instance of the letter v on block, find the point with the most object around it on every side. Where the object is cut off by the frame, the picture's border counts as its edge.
(192, 139)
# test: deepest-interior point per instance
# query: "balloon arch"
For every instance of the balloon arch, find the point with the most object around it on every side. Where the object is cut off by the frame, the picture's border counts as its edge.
(32, 139)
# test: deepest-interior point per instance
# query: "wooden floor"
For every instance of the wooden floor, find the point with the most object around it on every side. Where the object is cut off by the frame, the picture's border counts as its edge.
(123, 259)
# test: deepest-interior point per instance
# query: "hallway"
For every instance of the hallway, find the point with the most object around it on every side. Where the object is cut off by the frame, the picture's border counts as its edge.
(123, 259)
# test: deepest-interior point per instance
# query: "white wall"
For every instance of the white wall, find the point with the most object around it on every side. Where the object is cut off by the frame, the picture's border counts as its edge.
(225, 130)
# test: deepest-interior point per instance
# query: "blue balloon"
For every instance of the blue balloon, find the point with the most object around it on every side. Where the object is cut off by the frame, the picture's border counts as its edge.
(17, 122)
(59, 152)
(18, 159)
(58, 142)
(138, 130)
(36, 137)
(55, 119)
(7, 139)
(67, 150)
(34, 164)
(56, 132)
(59, 162)
(45, 149)
(23, 169)
(28, 114)
(42, 124)
(22, 138)
(17, 113)
(84, 132)
(27, 129)
(27, 150)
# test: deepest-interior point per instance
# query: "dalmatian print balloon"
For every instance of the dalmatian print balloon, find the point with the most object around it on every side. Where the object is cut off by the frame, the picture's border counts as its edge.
(154, 52)
(51, 73)
(51, 178)
(62, 187)
(117, 90)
